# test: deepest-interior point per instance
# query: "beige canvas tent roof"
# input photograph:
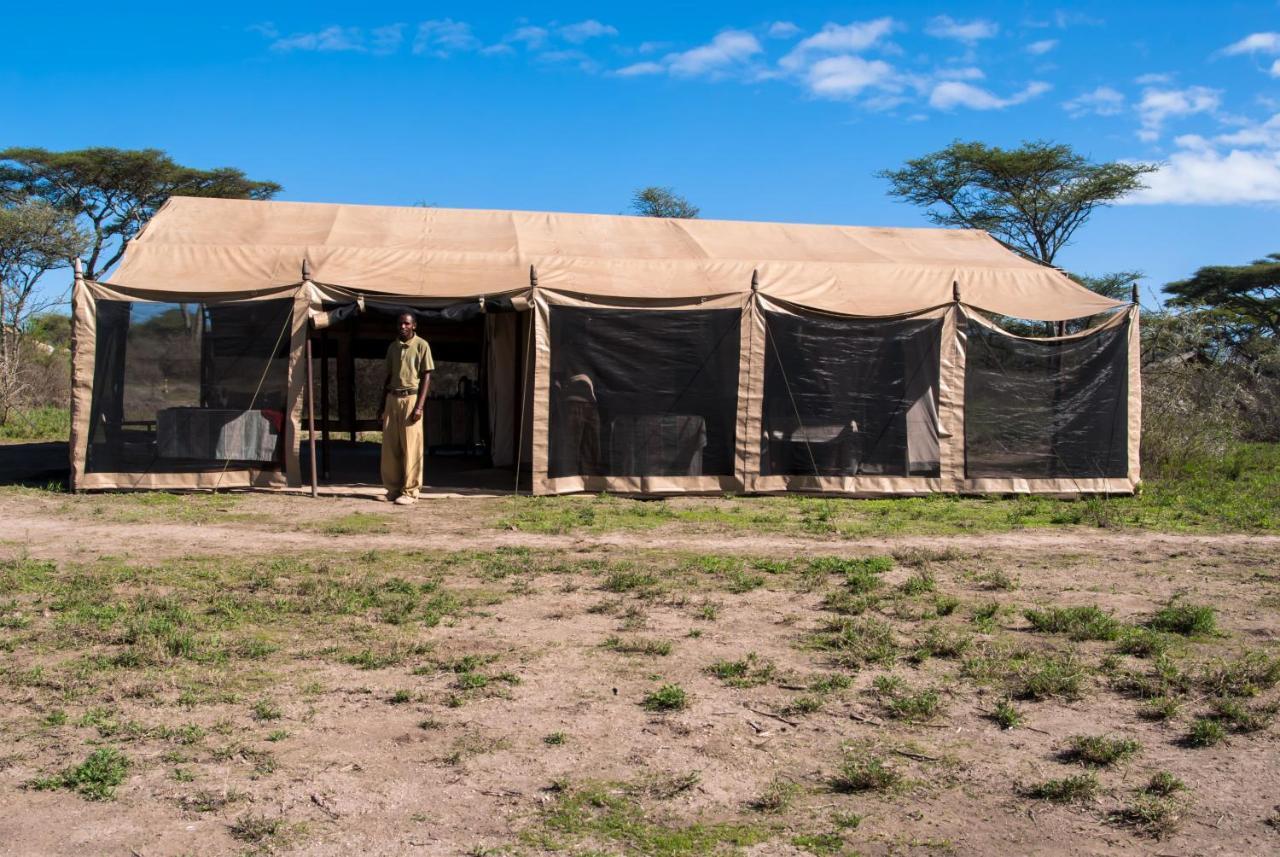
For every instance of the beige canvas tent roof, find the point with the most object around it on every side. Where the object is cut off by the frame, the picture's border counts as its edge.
(850, 360)
(218, 246)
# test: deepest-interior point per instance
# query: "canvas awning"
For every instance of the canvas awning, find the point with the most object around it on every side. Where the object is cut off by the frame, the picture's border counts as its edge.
(209, 247)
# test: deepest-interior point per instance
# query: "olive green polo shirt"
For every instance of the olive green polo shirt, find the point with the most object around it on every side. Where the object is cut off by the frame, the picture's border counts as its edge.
(407, 362)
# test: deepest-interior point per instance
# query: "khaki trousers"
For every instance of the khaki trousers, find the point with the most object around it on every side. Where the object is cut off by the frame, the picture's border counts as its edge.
(401, 447)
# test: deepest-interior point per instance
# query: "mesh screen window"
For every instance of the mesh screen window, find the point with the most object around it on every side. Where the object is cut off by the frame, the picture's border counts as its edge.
(183, 388)
(844, 397)
(1046, 409)
(643, 392)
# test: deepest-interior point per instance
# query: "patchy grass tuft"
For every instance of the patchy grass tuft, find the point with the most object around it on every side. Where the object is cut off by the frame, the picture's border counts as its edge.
(1100, 751)
(1073, 789)
(863, 772)
(669, 697)
(1179, 617)
(96, 778)
(1078, 623)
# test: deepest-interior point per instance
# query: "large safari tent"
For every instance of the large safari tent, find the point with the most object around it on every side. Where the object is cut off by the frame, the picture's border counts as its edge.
(595, 353)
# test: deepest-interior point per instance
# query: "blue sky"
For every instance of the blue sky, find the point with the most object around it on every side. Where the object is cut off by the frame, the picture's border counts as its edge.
(752, 110)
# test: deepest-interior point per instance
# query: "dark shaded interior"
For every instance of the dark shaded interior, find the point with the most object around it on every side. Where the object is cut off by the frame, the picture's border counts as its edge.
(643, 392)
(1044, 408)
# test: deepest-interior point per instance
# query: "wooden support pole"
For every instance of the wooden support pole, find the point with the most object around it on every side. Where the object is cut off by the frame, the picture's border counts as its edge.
(311, 416)
(324, 403)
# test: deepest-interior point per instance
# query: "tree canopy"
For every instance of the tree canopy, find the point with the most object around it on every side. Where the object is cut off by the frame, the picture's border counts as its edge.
(1248, 293)
(114, 191)
(35, 238)
(654, 201)
(1032, 198)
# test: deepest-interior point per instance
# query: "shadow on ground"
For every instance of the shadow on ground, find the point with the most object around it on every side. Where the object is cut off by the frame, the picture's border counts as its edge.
(34, 463)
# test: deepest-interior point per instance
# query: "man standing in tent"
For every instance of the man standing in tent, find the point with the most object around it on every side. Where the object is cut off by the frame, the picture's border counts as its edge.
(409, 366)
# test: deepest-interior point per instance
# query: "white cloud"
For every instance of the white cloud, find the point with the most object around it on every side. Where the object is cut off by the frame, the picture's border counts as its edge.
(952, 93)
(728, 49)
(584, 30)
(1255, 43)
(641, 68)
(965, 73)
(1153, 79)
(440, 38)
(1158, 105)
(1275, 69)
(846, 76)
(386, 40)
(652, 47)
(835, 39)
(266, 29)
(946, 27)
(1041, 47)
(783, 30)
(330, 39)
(1204, 176)
(1103, 101)
(531, 37)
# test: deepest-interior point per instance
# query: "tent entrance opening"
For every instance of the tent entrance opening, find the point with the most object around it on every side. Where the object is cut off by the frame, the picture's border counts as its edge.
(459, 431)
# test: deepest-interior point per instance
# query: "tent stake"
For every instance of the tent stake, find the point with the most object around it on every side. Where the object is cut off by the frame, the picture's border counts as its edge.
(311, 414)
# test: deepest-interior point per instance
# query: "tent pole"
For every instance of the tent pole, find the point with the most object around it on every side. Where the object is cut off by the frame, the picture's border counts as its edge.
(311, 414)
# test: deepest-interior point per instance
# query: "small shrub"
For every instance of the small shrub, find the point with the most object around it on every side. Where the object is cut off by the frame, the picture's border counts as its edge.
(1074, 789)
(400, 697)
(902, 703)
(96, 778)
(256, 829)
(984, 616)
(996, 579)
(638, 646)
(920, 582)
(1100, 750)
(1179, 617)
(750, 671)
(851, 565)
(1006, 715)
(555, 739)
(1248, 675)
(807, 704)
(1242, 718)
(266, 709)
(945, 605)
(862, 772)
(1163, 783)
(857, 642)
(777, 796)
(1078, 623)
(1143, 642)
(1161, 708)
(1049, 676)
(669, 697)
(628, 581)
(1205, 733)
(942, 642)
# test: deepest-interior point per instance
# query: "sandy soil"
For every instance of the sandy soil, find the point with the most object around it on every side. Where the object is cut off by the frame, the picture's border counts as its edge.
(358, 775)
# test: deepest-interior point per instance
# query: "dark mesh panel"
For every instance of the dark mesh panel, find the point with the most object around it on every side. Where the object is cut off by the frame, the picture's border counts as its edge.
(643, 392)
(1046, 409)
(174, 386)
(847, 396)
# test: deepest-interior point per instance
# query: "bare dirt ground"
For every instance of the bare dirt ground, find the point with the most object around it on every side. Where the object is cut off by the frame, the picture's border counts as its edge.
(511, 719)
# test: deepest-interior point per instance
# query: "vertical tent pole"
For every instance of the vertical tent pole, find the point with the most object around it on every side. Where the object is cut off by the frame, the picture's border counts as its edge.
(324, 402)
(311, 414)
(311, 392)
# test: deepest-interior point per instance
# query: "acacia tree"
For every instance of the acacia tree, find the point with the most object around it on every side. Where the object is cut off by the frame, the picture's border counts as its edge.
(114, 191)
(654, 201)
(1249, 293)
(1032, 199)
(35, 238)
